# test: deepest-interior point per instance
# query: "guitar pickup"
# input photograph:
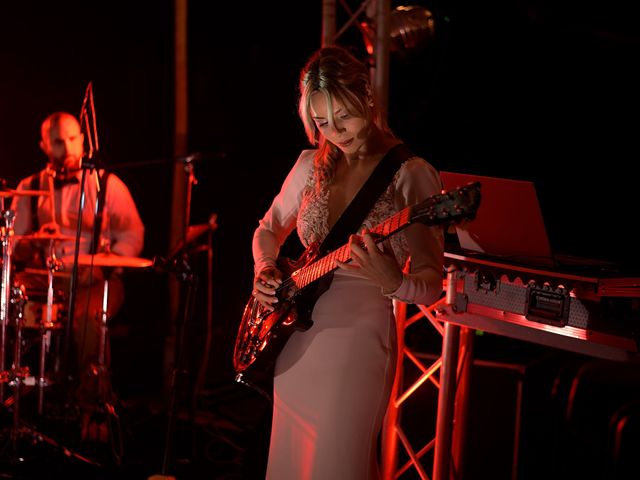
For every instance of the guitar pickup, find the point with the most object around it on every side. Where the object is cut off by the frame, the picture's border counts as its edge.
(547, 305)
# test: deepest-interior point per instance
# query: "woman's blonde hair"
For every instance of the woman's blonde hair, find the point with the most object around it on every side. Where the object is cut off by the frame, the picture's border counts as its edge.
(338, 75)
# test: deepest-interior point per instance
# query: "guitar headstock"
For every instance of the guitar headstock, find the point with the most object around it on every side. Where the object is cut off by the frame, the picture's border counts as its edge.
(449, 207)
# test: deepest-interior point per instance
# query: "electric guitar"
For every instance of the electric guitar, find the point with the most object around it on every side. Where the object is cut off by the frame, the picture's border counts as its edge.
(262, 333)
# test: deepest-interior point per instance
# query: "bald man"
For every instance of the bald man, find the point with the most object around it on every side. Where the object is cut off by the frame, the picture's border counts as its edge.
(120, 230)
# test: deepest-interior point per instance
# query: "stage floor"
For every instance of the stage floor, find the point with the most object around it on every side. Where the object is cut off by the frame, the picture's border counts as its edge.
(224, 437)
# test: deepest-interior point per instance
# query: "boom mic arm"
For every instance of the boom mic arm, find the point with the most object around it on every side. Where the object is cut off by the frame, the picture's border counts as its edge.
(90, 125)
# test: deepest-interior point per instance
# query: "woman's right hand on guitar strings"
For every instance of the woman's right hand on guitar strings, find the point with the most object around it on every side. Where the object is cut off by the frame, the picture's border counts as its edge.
(264, 287)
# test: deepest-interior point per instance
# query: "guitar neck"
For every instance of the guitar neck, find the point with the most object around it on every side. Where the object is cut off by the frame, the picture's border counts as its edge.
(327, 264)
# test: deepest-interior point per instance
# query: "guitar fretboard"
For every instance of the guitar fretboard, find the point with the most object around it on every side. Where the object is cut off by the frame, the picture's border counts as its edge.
(312, 272)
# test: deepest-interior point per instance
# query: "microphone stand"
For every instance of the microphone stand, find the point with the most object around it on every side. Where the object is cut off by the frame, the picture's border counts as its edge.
(179, 265)
(87, 165)
(189, 279)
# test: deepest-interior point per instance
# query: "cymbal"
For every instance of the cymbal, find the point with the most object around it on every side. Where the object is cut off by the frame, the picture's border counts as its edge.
(44, 272)
(22, 193)
(109, 260)
(45, 237)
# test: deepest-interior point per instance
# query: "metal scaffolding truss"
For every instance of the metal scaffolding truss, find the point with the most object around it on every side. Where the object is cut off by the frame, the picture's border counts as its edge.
(378, 12)
(394, 438)
(454, 368)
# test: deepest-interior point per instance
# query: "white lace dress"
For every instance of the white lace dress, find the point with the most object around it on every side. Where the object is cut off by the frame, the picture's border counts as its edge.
(332, 382)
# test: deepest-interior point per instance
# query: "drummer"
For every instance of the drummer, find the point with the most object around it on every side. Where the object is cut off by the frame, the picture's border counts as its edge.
(113, 225)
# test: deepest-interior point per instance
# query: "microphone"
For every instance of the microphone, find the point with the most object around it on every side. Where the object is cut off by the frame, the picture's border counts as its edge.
(197, 156)
(177, 264)
(194, 232)
(93, 161)
(88, 91)
(190, 157)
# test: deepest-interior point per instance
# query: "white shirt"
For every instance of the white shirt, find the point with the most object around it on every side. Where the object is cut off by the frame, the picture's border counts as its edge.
(121, 225)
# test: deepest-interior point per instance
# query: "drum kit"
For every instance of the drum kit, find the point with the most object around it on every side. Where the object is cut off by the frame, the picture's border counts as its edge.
(25, 311)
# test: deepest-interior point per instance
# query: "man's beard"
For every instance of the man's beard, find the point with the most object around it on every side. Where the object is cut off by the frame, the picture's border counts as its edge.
(69, 164)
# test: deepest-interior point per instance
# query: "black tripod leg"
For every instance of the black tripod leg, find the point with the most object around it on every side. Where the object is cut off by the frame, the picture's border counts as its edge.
(178, 375)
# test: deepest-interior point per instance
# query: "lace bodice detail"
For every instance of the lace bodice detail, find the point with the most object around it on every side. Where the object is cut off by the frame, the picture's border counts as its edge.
(314, 211)
(299, 205)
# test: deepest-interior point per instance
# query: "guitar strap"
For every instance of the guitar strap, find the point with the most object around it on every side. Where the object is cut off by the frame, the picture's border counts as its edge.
(365, 199)
(351, 219)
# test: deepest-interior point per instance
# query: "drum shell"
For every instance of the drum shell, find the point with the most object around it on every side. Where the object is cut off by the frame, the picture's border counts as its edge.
(35, 311)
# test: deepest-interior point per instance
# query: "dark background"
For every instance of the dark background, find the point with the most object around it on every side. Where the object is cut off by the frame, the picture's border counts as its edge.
(538, 90)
